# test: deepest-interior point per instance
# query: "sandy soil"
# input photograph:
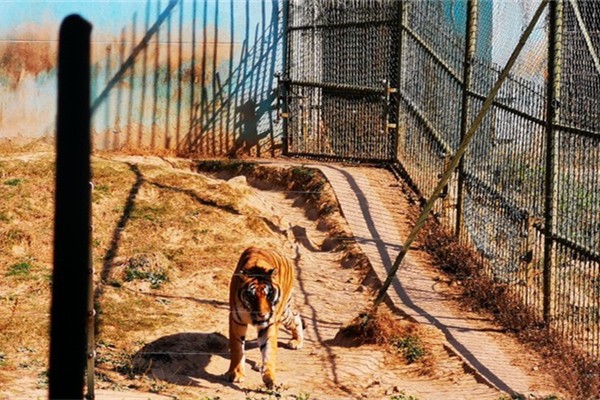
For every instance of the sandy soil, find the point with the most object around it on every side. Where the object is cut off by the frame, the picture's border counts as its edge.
(179, 348)
(328, 297)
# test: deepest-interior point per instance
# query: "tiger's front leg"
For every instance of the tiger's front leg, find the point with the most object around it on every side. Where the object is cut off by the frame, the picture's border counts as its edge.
(267, 341)
(237, 346)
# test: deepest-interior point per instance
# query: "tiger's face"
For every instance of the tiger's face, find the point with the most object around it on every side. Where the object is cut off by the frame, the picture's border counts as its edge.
(259, 296)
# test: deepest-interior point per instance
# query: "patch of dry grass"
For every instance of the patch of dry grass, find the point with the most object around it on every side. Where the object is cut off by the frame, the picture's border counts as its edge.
(26, 207)
(400, 336)
(163, 239)
(14, 148)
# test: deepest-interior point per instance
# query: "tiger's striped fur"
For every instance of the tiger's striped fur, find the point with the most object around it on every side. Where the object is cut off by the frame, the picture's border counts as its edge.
(260, 294)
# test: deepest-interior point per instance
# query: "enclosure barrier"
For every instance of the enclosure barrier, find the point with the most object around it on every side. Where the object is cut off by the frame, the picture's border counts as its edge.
(401, 82)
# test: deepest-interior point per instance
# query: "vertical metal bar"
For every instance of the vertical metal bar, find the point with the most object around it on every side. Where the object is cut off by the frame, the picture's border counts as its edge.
(285, 79)
(470, 43)
(550, 200)
(91, 312)
(72, 210)
(191, 138)
(396, 140)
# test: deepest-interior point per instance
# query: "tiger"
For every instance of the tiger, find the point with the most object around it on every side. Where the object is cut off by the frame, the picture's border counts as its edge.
(260, 294)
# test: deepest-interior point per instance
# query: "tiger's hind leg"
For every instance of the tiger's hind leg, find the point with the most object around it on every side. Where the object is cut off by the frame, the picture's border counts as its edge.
(237, 344)
(294, 323)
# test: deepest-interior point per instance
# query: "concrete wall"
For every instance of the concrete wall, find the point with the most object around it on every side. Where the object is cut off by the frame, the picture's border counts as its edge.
(194, 76)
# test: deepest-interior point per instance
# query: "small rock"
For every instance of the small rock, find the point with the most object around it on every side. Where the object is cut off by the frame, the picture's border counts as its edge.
(237, 180)
(374, 383)
(392, 390)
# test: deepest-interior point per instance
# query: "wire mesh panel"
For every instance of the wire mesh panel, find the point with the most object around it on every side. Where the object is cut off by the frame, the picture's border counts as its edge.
(576, 294)
(404, 80)
(504, 170)
(341, 61)
(532, 212)
(430, 88)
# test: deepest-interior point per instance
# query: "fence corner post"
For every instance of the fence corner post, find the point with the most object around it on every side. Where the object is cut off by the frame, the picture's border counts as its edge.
(552, 112)
(470, 45)
(398, 83)
(282, 80)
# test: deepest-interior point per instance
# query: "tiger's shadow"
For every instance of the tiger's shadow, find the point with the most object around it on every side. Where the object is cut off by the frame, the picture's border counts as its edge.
(184, 358)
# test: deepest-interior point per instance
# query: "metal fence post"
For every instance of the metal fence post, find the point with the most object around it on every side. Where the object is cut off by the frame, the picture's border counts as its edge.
(470, 43)
(396, 138)
(552, 110)
(72, 212)
(91, 337)
(282, 80)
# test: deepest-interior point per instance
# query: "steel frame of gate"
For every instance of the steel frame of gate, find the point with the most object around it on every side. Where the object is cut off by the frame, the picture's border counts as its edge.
(290, 100)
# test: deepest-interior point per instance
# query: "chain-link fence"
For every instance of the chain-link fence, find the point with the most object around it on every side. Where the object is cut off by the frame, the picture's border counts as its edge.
(531, 211)
(341, 56)
(527, 193)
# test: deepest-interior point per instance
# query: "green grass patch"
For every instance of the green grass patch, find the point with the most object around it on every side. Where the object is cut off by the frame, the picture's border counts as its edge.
(411, 348)
(403, 396)
(16, 235)
(156, 278)
(19, 269)
(150, 213)
(14, 182)
(147, 268)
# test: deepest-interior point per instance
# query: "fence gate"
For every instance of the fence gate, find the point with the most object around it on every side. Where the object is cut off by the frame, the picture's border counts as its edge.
(341, 68)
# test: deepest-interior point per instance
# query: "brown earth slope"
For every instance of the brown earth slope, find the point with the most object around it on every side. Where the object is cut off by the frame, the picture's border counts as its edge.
(165, 242)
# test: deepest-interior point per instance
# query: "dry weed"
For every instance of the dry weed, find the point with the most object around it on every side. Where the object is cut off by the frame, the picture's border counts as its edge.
(582, 377)
(399, 336)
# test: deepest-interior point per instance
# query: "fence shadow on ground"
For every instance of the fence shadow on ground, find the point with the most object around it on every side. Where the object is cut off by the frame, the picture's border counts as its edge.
(385, 254)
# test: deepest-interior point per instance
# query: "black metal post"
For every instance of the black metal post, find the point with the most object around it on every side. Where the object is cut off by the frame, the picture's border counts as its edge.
(550, 199)
(398, 83)
(72, 211)
(283, 81)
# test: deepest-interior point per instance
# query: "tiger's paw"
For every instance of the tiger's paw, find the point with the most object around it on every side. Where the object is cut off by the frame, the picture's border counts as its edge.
(235, 376)
(295, 344)
(269, 379)
(258, 366)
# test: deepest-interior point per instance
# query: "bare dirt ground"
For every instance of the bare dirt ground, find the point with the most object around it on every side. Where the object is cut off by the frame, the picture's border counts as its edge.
(165, 242)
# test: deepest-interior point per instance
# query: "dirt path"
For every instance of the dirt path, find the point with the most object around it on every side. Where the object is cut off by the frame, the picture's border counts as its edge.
(328, 297)
(377, 212)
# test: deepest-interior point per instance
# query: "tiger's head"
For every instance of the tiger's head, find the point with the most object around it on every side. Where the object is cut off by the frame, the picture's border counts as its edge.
(259, 294)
